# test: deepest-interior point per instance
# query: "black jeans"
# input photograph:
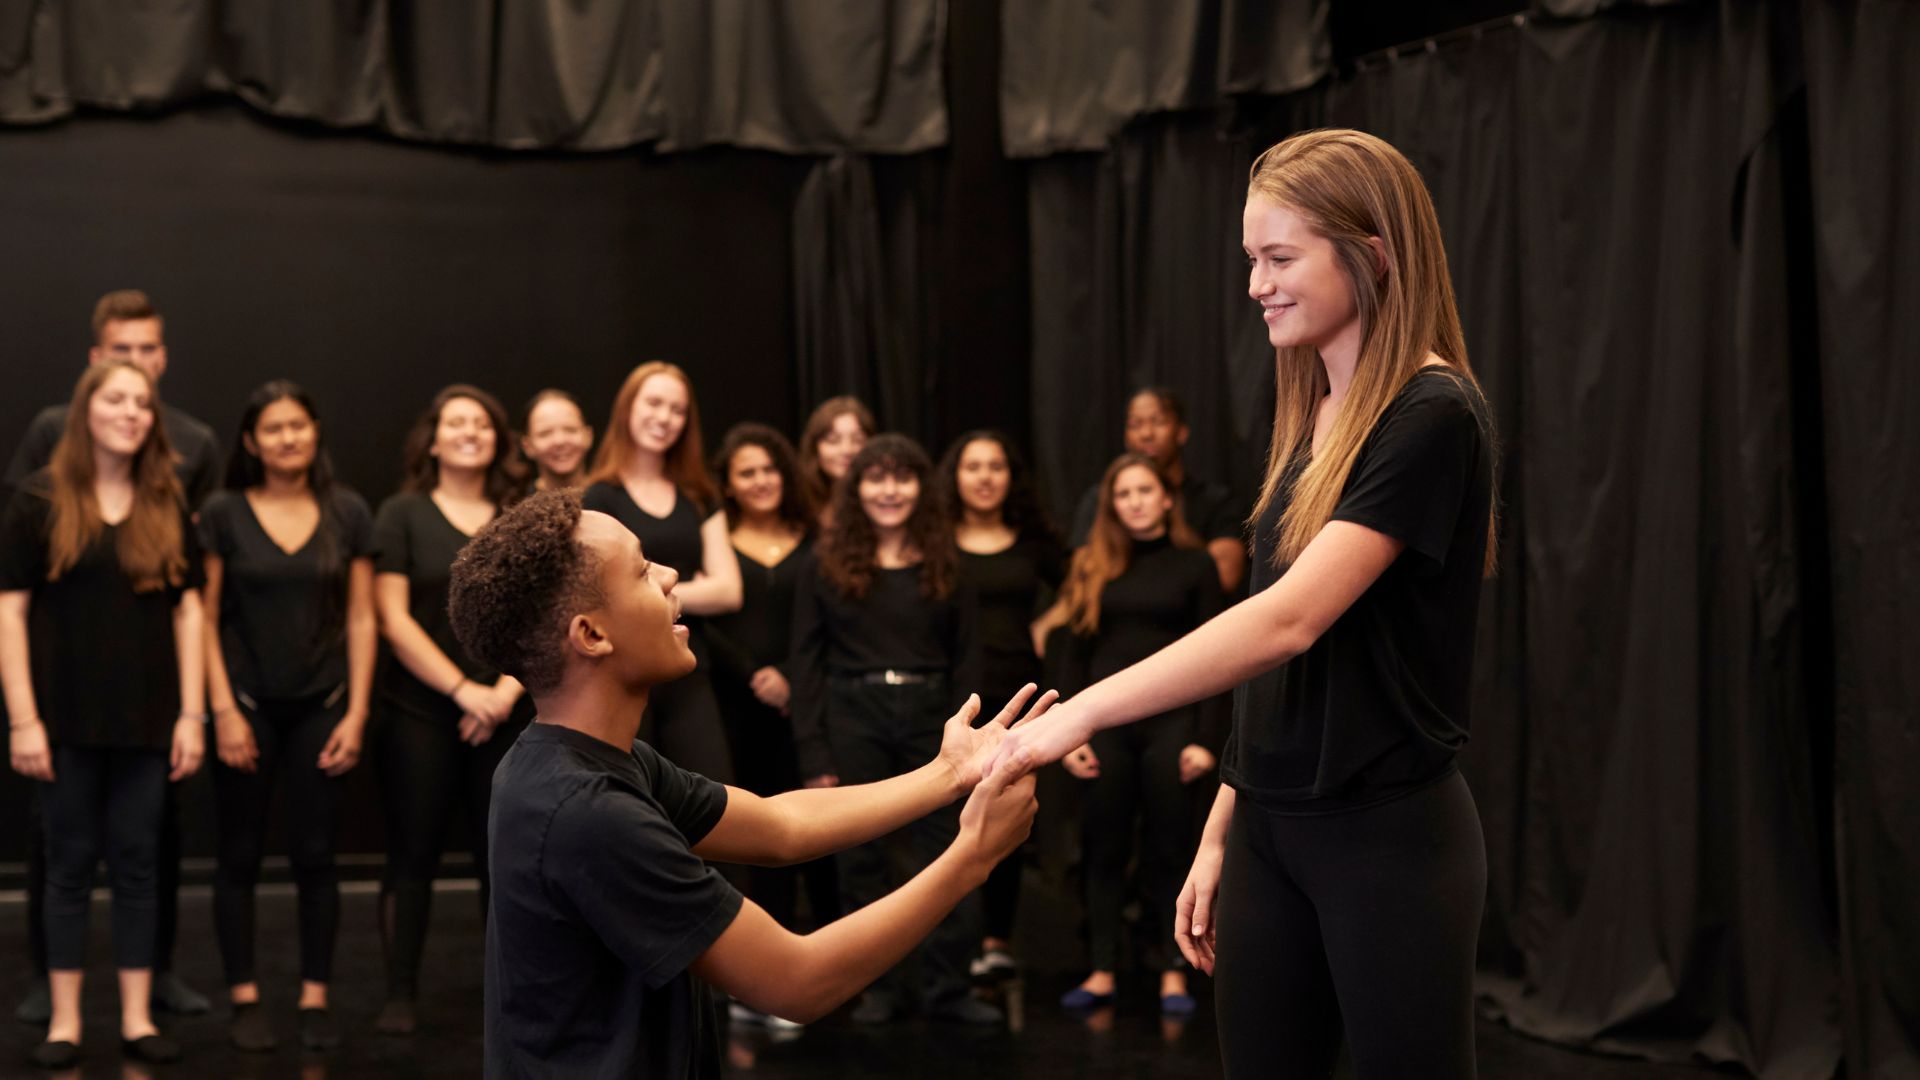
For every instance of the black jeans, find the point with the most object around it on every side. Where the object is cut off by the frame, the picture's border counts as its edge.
(1139, 781)
(424, 773)
(289, 736)
(876, 732)
(103, 800)
(1366, 919)
(765, 763)
(166, 882)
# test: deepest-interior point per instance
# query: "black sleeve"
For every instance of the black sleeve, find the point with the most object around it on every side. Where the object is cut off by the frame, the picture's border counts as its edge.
(203, 471)
(214, 525)
(731, 660)
(1213, 715)
(356, 524)
(1414, 473)
(598, 496)
(23, 542)
(806, 673)
(35, 449)
(633, 878)
(1220, 519)
(392, 554)
(692, 802)
(1083, 513)
(196, 576)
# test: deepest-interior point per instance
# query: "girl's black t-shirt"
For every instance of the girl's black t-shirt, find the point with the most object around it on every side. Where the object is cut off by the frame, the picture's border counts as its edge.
(1379, 704)
(283, 629)
(1011, 587)
(673, 541)
(756, 636)
(105, 669)
(411, 537)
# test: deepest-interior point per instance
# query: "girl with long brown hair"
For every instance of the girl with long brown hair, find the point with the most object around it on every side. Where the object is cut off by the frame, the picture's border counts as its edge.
(1142, 579)
(101, 659)
(651, 475)
(445, 718)
(836, 431)
(1340, 879)
(883, 643)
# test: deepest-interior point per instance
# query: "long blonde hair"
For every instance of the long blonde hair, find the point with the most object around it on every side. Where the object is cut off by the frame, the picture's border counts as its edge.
(150, 544)
(1352, 187)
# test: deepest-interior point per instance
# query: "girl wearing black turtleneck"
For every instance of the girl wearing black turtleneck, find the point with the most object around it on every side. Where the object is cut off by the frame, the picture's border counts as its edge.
(882, 640)
(1142, 580)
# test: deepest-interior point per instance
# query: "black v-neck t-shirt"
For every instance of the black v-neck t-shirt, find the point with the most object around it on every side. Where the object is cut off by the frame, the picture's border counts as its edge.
(758, 634)
(283, 628)
(599, 906)
(412, 537)
(1378, 706)
(105, 669)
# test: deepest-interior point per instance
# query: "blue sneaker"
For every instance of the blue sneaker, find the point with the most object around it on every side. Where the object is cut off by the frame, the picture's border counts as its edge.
(1179, 1006)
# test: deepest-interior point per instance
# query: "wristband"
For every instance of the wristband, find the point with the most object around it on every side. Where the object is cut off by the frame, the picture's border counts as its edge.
(198, 717)
(455, 688)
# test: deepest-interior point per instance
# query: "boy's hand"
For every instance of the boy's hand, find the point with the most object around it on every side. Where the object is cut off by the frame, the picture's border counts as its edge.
(999, 814)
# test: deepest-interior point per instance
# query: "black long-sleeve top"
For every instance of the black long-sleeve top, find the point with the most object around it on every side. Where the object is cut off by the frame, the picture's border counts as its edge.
(1164, 593)
(1012, 586)
(893, 628)
(760, 634)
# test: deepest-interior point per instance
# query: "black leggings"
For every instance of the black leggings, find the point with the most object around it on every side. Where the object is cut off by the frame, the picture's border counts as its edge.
(103, 801)
(876, 732)
(424, 772)
(166, 876)
(1139, 779)
(683, 723)
(765, 763)
(1366, 919)
(289, 736)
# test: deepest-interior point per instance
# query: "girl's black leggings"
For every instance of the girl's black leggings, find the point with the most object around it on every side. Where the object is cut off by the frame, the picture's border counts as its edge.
(1139, 781)
(426, 774)
(1365, 921)
(289, 736)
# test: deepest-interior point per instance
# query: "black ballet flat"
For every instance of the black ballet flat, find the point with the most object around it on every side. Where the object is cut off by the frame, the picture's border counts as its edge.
(152, 1049)
(59, 1054)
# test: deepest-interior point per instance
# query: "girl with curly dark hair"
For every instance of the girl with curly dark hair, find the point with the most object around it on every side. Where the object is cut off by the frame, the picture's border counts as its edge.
(1013, 562)
(882, 649)
(445, 718)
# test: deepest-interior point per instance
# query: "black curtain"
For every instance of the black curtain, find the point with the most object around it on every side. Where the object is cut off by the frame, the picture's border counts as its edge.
(1864, 99)
(1613, 196)
(1075, 73)
(805, 76)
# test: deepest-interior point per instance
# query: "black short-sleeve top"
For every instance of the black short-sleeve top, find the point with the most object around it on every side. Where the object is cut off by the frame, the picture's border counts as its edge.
(413, 538)
(599, 907)
(673, 540)
(1379, 704)
(1010, 586)
(283, 613)
(105, 669)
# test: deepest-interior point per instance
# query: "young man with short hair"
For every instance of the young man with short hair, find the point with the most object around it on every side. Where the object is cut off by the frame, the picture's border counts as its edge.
(604, 913)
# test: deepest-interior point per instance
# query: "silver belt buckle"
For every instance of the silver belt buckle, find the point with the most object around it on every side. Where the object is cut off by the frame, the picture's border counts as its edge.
(894, 678)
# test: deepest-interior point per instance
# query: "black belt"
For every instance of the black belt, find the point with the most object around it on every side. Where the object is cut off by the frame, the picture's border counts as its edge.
(892, 677)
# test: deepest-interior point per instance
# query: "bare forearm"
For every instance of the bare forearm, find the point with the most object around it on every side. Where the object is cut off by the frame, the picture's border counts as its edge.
(420, 656)
(363, 646)
(708, 596)
(825, 820)
(189, 645)
(16, 672)
(837, 961)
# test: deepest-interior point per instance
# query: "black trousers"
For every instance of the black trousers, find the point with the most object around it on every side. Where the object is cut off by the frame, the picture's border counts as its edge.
(765, 763)
(1366, 919)
(1139, 785)
(876, 732)
(166, 882)
(683, 723)
(289, 736)
(111, 802)
(425, 774)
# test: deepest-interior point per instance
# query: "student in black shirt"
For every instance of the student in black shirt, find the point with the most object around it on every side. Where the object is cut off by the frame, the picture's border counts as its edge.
(651, 474)
(769, 523)
(555, 437)
(1156, 427)
(1340, 879)
(882, 633)
(1011, 561)
(445, 717)
(126, 327)
(605, 918)
(292, 636)
(1141, 580)
(100, 657)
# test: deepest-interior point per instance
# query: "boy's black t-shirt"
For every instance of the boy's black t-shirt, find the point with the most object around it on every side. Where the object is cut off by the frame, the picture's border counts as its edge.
(1379, 704)
(599, 906)
(283, 627)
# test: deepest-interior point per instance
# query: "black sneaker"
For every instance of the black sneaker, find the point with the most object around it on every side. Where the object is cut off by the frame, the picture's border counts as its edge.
(317, 1030)
(251, 1031)
(172, 995)
(54, 1055)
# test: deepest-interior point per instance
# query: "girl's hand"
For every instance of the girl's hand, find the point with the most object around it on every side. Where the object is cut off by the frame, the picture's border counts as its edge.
(1083, 763)
(342, 751)
(31, 754)
(1196, 761)
(233, 740)
(189, 746)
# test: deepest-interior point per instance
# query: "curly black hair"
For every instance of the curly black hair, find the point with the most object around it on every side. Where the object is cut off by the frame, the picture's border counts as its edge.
(519, 581)
(849, 551)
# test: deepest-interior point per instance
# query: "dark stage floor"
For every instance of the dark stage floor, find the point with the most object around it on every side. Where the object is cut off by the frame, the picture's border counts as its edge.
(1131, 1041)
